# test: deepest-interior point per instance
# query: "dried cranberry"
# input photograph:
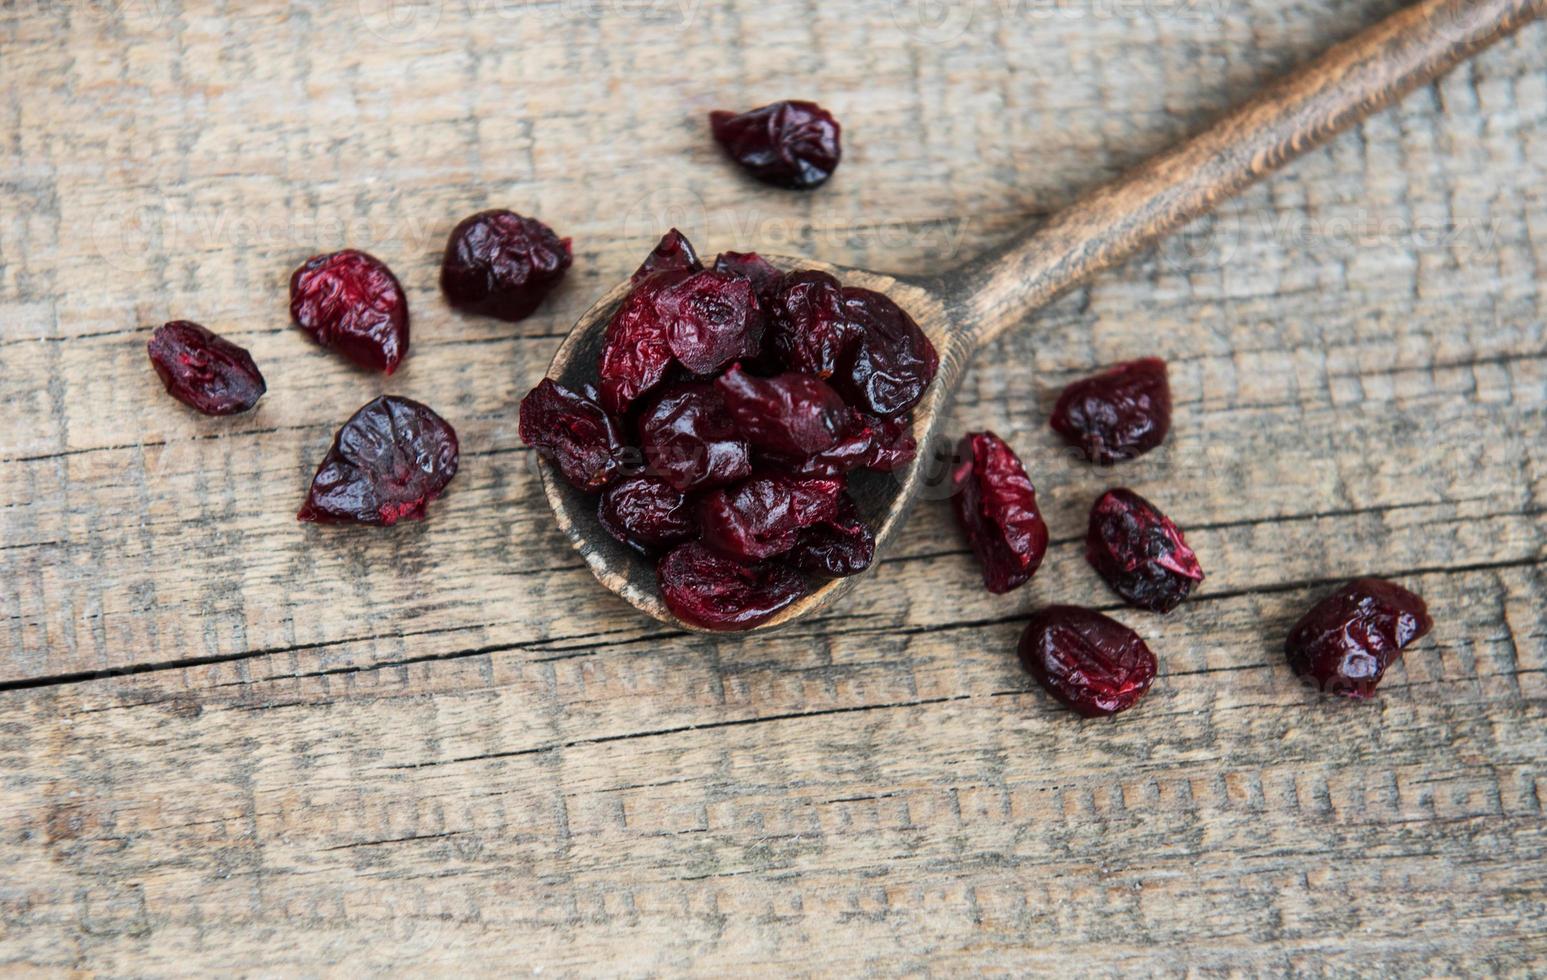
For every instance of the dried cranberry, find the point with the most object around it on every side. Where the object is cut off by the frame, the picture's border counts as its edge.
(712, 319)
(574, 432)
(787, 144)
(635, 355)
(386, 464)
(703, 320)
(841, 545)
(1090, 662)
(203, 370)
(646, 513)
(1346, 641)
(996, 506)
(673, 253)
(690, 441)
(762, 516)
(865, 442)
(807, 328)
(763, 275)
(350, 302)
(891, 362)
(1119, 414)
(1139, 552)
(795, 414)
(502, 264)
(710, 590)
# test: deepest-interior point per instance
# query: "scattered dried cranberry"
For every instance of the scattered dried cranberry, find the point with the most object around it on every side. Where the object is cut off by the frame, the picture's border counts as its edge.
(690, 441)
(1119, 414)
(842, 545)
(749, 265)
(807, 329)
(710, 590)
(673, 253)
(795, 414)
(1347, 640)
(386, 464)
(891, 362)
(996, 506)
(574, 432)
(787, 144)
(350, 302)
(203, 370)
(1139, 552)
(646, 513)
(1090, 662)
(762, 516)
(502, 264)
(702, 320)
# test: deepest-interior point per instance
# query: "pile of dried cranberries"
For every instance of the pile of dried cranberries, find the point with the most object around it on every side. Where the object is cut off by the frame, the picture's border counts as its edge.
(732, 403)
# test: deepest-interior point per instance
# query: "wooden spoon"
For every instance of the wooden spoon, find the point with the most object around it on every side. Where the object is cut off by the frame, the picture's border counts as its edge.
(965, 309)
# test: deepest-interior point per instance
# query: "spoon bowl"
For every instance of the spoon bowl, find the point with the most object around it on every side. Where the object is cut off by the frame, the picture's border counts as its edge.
(883, 498)
(965, 309)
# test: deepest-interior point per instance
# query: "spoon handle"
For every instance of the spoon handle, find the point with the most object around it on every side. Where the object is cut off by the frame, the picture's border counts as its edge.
(1298, 113)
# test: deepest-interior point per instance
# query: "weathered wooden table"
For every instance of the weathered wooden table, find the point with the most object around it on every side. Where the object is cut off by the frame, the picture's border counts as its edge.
(232, 741)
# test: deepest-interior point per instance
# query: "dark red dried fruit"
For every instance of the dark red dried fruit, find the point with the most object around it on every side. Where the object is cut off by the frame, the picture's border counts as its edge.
(710, 590)
(573, 432)
(1090, 662)
(203, 370)
(807, 329)
(1118, 414)
(749, 265)
(386, 464)
(702, 320)
(690, 441)
(1139, 552)
(891, 361)
(1346, 641)
(646, 513)
(501, 264)
(673, 253)
(352, 303)
(842, 545)
(793, 414)
(866, 442)
(762, 516)
(787, 144)
(996, 506)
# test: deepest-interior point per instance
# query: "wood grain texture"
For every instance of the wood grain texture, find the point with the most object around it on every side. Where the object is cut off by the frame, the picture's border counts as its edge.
(236, 742)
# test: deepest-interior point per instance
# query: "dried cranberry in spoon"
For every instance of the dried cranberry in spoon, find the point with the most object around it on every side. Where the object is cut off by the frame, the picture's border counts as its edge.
(708, 589)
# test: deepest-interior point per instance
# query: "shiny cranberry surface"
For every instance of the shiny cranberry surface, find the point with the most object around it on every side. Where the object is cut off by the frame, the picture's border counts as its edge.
(1344, 644)
(673, 253)
(574, 433)
(841, 545)
(762, 517)
(708, 589)
(502, 264)
(646, 513)
(996, 507)
(690, 441)
(794, 414)
(1120, 414)
(203, 370)
(1139, 552)
(788, 144)
(352, 303)
(386, 464)
(1090, 662)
